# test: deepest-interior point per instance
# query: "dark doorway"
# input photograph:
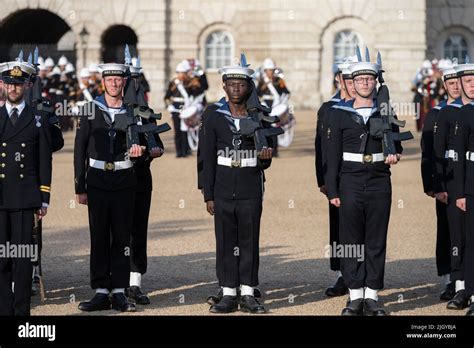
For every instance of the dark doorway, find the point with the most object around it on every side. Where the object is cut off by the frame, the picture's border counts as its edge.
(113, 43)
(28, 28)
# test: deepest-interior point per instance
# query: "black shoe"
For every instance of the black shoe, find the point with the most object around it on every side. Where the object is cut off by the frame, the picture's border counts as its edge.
(371, 308)
(470, 312)
(353, 308)
(120, 303)
(227, 304)
(35, 286)
(215, 299)
(338, 289)
(459, 301)
(100, 302)
(250, 304)
(135, 293)
(257, 293)
(448, 293)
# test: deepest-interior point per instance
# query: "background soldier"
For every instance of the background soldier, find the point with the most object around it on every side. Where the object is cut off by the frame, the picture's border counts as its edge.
(25, 183)
(345, 93)
(178, 92)
(271, 87)
(428, 170)
(106, 182)
(233, 192)
(141, 212)
(358, 182)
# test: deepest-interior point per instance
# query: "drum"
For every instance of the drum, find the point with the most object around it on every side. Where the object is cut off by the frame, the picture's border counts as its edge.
(282, 112)
(190, 116)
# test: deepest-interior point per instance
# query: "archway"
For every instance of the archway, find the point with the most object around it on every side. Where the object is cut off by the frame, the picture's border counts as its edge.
(113, 43)
(25, 29)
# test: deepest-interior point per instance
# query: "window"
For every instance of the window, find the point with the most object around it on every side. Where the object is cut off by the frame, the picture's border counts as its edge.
(456, 47)
(345, 44)
(219, 50)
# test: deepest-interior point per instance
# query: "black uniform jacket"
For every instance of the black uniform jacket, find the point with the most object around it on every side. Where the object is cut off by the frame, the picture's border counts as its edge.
(463, 143)
(97, 138)
(428, 158)
(321, 128)
(25, 160)
(446, 132)
(222, 181)
(346, 133)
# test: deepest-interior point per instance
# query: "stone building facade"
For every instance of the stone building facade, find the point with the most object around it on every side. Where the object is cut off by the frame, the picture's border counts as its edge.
(304, 37)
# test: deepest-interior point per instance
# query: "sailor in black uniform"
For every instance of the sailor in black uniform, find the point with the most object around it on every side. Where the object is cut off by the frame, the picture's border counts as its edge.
(358, 182)
(233, 184)
(106, 182)
(447, 189)
(428, 170)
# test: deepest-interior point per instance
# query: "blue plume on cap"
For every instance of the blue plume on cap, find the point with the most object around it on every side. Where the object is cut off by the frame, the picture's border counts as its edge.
(35, 56)
(128, 57)
(359, 56)
(379, 60)
(367, 55)
(467, 60)
(30, 58)
(243, 60)
(20, 56)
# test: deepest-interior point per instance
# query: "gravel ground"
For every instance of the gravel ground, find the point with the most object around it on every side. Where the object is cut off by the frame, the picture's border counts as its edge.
(294, 270)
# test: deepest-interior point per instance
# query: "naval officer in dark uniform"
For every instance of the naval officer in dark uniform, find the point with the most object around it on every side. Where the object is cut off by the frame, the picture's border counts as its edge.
(25, 184)
(233, 191)
(105, 181)
(358, 183)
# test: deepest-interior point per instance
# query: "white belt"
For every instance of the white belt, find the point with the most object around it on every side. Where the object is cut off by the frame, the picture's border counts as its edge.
(470, 156)
(230, 162)
(119, 165)
(177, 99)
(267, 97)
(451, 154)
(361, 158)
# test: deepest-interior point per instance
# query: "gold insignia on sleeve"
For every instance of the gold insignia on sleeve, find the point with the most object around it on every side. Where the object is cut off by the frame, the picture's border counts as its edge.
(46, 189)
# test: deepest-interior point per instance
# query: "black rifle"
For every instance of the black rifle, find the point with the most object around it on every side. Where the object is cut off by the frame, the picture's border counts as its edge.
(128, 122)
(254, 126)
(382, 127)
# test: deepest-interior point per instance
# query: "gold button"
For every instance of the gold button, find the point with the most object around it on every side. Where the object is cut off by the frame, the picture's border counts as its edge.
(2, 176)
(3, 165)
(4, 154)
(22, 156)
(21, 176)
(4, 144)
(23, 145)
(22, 166)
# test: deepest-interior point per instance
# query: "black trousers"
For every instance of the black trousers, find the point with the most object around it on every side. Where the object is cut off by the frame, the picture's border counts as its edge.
(469, 250)
(335, 262)
(363, 221)
(16, 228)
(443, 240)
(180, 137)
(110, 222)
(237, 228)
(457, 234)
(141, 212)
(38, 239)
